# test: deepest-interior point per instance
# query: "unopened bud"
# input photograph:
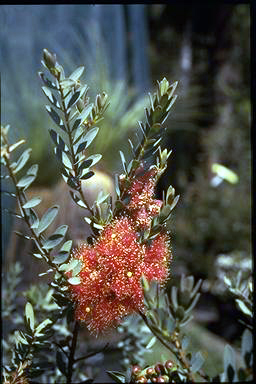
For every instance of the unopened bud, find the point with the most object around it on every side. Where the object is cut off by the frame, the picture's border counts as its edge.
(136, 369)
(162, 379)
(169, 365)
(142, 379)
(49, 58)
(150, 372)
(159, 368)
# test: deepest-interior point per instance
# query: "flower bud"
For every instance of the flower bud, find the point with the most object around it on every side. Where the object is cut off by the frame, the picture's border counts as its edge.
(142, 379)
(49, 59)
(136, 369)
(162, 379)
(159, 368)
(169, 365)
(150, 372)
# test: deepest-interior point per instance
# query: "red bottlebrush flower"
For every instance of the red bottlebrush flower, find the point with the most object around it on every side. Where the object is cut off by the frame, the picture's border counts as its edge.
(110, 280)
(142, 205)
(157, 258)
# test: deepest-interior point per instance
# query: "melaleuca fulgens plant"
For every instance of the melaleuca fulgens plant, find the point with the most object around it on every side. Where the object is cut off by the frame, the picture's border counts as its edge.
(122, 267)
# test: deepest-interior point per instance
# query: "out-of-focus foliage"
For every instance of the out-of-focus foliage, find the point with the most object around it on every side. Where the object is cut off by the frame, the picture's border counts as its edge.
(214, 217)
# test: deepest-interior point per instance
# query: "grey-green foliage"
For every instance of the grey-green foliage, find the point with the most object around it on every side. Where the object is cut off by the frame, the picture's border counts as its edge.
(10, 293)
(136, 337)
(234, 273)
(165, 315)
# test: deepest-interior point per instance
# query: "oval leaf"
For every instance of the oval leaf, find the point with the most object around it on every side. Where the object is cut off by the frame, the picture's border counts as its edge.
(90, 136)
(16, 145)
(43, 325)
(197, 362)
(29, 313)
(22, 160)
(77, 73)
(73, 99)
(47, 218)
(86, 112)
(56, 238)
(87, 175)
(33, 202)
(62, 257)
(55, 117)
(66, 161)
(25, 181)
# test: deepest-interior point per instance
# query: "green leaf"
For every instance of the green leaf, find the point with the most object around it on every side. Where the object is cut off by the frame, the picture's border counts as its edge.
(77, 269)
(86, 112)
(50, 96)
(38, 255)
(123, 161)
(43, 325)
(47, 218)
(73, 99)
(33, 218)
(29, 313)
(85, 164)
(151, 342)
(229, 360)
(62, 257)
(197, 362)
(117, 376)
(79, 132)
(56, 238)
(22, 160)
(94, 159)
(185, 342)
(247, 342)
(58, 140)
(46, 81)
(244, 308)
(66, 247)
(66, 161)
(33, 170)
(90, 136)
(32, 202)
(52, 242)
(77, 200)
(77, 73)
(74, 280)
(71, 265)
(118, 193)
(76, 124)
(67, 83)
(87, 175)
(81, 147)
(25, 181)
(55, 117)
(16, 145)
(19, 338)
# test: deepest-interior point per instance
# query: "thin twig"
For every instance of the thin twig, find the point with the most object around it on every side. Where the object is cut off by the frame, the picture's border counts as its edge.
(71, 359)
(91, 354)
